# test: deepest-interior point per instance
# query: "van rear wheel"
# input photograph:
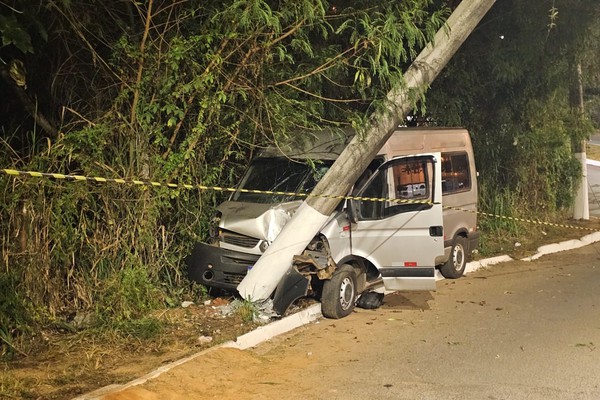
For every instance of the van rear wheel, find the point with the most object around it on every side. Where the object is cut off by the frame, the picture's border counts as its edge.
(455, 266)
(339, 293)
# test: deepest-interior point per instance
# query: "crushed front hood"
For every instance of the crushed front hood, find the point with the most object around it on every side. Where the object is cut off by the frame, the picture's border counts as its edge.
(257, 220)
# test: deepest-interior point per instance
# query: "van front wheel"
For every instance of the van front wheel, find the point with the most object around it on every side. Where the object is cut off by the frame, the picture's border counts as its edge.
(339, 293)
(455, 266)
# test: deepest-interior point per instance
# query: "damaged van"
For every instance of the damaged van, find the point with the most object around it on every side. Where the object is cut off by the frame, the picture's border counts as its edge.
(413, 210)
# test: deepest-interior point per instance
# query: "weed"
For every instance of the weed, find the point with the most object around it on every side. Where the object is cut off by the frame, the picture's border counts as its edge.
(14, 316)
(129, 296)
(247, 310)
(16, 388)
(194, 292)
(143, 329)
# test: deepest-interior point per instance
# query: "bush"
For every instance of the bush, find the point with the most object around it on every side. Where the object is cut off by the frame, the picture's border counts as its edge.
(14, 316)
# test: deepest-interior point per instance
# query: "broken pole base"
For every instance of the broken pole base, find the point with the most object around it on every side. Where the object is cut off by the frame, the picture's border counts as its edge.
(262, 279)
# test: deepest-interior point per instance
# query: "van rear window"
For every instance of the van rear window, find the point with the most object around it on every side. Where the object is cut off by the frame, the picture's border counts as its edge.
(456, 176)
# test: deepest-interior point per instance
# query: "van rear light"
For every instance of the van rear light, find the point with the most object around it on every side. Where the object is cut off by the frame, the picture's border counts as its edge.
(410, 263)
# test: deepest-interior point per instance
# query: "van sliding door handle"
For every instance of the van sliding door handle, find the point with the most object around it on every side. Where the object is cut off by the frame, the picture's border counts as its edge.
(436, 231)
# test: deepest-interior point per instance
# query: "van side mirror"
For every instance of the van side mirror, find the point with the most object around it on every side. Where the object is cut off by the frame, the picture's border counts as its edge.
(352, 210)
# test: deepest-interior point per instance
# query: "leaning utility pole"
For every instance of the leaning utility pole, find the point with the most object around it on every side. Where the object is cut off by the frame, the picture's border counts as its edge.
(310, 217)
(581, 207)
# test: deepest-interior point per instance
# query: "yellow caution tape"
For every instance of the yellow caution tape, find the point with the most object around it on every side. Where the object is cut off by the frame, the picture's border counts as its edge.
(517, 219)
(13, 172)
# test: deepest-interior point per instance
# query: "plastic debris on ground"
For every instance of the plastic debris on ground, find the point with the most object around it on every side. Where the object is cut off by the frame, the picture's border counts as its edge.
(263, 311)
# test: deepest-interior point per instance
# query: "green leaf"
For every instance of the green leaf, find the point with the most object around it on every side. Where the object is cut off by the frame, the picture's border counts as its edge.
(13, 33)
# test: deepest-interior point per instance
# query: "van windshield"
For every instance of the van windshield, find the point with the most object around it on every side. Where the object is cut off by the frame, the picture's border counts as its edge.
(280, 175)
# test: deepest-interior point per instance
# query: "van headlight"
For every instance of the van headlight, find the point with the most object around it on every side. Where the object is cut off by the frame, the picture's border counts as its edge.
(213, 229)
(264, 245)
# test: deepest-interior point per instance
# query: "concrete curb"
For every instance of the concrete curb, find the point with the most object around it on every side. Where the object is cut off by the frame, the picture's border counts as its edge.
(566, 245)
(312, 313)
(266, 332)
(475, 265)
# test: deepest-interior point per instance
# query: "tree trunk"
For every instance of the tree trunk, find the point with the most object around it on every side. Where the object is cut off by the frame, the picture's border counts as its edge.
(263, 278)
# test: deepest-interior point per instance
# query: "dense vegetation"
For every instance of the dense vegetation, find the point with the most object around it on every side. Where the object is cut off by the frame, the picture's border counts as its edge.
(186, 91)
(166, 91)
(515, 84)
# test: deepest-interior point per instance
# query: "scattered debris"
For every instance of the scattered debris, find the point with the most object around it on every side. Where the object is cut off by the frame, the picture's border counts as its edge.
(265, 310)
(262, 312)
(186, 304)
(205, 339)
(370, 300)
(589, 345)
(219, 301)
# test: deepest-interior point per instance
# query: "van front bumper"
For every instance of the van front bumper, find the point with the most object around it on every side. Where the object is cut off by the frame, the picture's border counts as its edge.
(217, 267)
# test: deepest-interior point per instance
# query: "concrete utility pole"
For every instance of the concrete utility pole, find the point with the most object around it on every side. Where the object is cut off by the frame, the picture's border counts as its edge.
(581, 208)
(262, 279)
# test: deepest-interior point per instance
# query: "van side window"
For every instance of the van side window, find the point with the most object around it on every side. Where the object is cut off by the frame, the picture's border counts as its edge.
(366, 175)
(376, 188)
(456, 175)
(408, 180)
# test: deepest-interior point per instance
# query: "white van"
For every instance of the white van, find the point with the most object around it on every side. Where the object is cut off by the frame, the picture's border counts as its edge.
(394, 242)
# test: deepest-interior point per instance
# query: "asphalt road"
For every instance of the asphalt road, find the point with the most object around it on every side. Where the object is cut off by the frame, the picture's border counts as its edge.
(595, 140)
(519, 330)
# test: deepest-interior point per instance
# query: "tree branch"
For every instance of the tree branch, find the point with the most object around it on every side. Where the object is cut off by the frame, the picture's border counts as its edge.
(136, 93)
(29, 105)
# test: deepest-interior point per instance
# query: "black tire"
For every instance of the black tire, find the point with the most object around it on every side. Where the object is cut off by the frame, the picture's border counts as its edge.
(339, 293)
(455, 266)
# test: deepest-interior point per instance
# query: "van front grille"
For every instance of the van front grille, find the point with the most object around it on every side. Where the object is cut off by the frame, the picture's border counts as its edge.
(239, 240)
(232, 278)
(246, 260)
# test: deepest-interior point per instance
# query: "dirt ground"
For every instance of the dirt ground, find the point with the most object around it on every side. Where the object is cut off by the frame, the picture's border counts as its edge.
(70, 364)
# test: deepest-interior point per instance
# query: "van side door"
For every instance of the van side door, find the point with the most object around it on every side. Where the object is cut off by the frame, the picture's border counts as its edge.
(402, 235)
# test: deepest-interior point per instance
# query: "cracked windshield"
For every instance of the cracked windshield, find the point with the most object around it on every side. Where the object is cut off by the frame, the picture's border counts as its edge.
(280, 175)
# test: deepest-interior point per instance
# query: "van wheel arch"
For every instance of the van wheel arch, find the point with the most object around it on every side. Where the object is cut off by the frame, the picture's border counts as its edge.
(365, 271)
(455, 266)
(340, 293)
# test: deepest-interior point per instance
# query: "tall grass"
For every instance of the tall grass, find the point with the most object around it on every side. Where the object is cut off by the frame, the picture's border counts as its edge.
(115, 251)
